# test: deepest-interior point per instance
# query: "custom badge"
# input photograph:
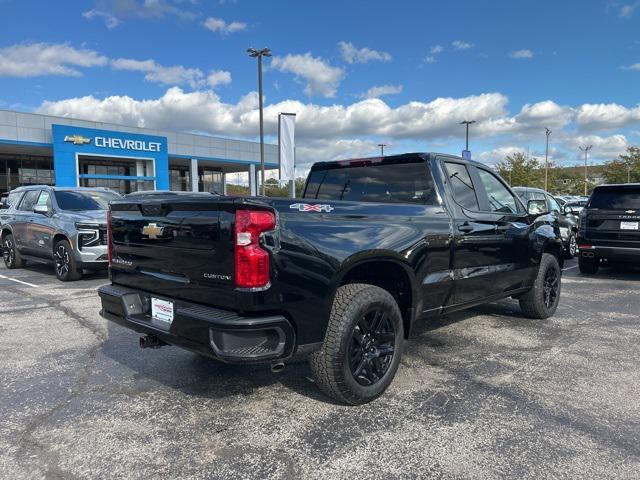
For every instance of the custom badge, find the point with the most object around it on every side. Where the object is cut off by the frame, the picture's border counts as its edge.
(311, 207)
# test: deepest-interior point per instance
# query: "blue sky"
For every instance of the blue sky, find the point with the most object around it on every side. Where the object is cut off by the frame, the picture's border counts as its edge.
(357, 73)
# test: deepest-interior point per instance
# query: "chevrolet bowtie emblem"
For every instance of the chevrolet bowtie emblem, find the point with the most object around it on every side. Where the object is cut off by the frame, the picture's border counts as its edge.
(630, 211)
(152, 230)
(77, 139)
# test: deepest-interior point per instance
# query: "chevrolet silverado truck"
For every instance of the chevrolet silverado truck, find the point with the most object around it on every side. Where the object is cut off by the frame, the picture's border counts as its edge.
(609, 228)
(341, 273)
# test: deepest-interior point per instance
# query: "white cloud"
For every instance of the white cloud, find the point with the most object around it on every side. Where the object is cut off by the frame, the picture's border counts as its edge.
(634, 66)
(627, 11)
(351, 54)
(36, 59)
(603, 147)
(600, 116)
(381, 90)
(146, 9)
(460, 45)
(320, 77)
(429, 59)
(218, 77)
(174, 75)
(496, 155)
(110, 20)
(436, 49)
(218, 25)
(520, 54)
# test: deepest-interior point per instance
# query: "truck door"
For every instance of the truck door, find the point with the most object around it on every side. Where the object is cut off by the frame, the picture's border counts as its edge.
(485, 229)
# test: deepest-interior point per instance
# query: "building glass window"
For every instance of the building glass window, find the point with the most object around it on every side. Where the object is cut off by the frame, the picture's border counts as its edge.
(179, 178)
(18, 170)
(209, 180)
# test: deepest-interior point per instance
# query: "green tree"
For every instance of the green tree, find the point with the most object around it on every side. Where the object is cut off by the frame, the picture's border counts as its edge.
(519, 170)
(625, 168)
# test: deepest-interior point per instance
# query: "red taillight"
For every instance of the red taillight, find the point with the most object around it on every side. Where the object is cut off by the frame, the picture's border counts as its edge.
(252, 261)
(584, 247)
(109, 241)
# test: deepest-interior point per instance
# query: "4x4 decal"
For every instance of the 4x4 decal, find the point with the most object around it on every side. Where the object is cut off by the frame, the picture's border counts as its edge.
(311, 207)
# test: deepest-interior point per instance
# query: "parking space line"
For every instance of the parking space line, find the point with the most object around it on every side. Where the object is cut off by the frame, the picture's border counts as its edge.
(569, 268)
(19, 281)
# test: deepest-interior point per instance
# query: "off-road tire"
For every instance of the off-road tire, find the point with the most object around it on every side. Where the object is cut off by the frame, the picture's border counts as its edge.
(71, 272)
(12, 258)
(588, 267)
(533, 303)
(331, 364)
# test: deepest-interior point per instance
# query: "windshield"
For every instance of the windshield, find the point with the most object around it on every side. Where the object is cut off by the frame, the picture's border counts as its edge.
(78, 201)
(616, 198)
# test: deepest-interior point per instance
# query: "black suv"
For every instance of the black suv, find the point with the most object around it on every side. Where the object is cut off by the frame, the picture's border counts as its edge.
(609, 227)
(567, 217)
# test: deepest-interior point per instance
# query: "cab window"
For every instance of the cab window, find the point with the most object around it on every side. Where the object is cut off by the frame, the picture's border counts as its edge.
(553, 204)
(500, 198)
(462, 187)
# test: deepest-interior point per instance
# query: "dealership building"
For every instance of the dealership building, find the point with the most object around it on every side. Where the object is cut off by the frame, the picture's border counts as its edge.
(47, 150)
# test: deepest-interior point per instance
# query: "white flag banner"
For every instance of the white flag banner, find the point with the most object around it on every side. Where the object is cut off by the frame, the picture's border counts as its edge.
(287, 143)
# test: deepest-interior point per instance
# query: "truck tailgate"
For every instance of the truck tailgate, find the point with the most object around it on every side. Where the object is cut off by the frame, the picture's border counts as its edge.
(180, 248)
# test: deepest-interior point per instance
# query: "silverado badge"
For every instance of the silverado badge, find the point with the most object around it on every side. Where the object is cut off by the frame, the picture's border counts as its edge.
(77, 139)
(152, 230)
(311, 207)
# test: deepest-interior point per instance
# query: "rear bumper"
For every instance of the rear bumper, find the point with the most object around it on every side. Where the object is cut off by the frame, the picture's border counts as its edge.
(220, 334)
(612, 253)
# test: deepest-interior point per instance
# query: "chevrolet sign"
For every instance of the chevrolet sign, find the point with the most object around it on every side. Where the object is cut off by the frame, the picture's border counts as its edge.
(77, 139)
(118, 143)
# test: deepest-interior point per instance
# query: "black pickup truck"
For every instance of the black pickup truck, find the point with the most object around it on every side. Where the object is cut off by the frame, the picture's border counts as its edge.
(342, 273)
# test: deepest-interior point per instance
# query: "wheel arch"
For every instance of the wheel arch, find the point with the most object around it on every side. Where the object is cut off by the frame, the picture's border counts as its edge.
(389, 274)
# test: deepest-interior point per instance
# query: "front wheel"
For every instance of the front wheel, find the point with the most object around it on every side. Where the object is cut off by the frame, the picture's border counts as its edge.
(542, 300)
(572, 247)
(10, 254)
(362, 347)
(66, 266)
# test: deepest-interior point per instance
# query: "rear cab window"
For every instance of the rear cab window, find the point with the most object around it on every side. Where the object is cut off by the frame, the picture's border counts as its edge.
(615, 198)
(29, 200)
(402, 181)
(12, 199)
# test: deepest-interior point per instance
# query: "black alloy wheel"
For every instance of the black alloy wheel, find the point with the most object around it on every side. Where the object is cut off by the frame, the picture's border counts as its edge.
(573, 246)
(11, 256)
(372, 347)
(551, 287)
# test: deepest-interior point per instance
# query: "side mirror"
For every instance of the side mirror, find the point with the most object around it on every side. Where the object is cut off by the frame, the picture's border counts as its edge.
(42, 209)
(536, 207)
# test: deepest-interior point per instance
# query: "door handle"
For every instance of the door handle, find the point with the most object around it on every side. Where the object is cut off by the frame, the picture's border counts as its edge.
(465, 227)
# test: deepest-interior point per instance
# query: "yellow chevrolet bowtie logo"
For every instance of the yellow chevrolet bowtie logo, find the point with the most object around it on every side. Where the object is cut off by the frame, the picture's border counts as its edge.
(77, 139)
(152, 231)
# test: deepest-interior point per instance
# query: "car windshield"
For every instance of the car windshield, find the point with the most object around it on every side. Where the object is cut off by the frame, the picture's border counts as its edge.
(616, 198)
(78, 201)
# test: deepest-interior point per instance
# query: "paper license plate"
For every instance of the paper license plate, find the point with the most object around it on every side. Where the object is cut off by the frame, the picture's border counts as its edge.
(629, 225)
(162, 310)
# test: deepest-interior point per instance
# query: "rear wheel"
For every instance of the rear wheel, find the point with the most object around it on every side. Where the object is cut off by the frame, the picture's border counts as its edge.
(362, 347)
(572, 247)
(542, 300)
(11, 255)
(588, 266)
(66, 266)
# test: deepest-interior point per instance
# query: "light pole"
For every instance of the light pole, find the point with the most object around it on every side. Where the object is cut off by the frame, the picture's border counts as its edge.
(547, 132)
(382, 145)
(467, 123)
(585, 149)
(265, 52)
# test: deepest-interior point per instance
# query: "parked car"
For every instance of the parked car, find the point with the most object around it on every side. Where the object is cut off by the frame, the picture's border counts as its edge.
(609, 227)
(567, 218)
(341, 273)
(575, 206)
(66, 227)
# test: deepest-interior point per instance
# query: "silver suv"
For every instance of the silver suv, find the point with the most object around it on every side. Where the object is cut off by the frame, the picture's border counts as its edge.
(66, 227)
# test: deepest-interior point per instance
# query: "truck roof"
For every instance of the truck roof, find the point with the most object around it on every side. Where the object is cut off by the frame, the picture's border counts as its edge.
(390, 159)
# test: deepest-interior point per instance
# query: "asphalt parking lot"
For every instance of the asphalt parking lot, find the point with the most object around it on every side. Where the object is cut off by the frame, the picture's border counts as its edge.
(481, 394)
